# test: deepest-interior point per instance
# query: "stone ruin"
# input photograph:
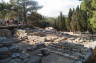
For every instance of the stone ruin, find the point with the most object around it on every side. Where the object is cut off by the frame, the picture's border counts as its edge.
(5, 33)
(72, 53)
(30, 47)
(12, 52)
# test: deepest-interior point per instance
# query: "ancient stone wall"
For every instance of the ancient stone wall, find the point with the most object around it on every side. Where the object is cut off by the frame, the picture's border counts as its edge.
(5, 33)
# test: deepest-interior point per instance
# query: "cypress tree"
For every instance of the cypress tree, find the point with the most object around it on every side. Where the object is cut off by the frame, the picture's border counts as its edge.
(61, 22)
(69, 19)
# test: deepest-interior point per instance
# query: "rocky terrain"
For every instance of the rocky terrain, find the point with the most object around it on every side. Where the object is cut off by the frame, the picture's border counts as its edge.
(43, 46)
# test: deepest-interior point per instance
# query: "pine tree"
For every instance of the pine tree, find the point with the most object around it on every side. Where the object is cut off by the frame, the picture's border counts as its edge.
(25, 7)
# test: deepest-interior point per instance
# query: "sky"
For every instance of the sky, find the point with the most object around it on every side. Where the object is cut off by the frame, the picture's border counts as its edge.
(52, 8)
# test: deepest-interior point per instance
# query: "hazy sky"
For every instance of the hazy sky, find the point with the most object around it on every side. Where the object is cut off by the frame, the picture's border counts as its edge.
(52, 8)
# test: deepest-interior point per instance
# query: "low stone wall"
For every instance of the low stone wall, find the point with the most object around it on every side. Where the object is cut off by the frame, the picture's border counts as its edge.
(5, 33)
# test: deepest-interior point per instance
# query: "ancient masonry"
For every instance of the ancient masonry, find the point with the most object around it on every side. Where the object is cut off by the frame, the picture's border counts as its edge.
(23, 48)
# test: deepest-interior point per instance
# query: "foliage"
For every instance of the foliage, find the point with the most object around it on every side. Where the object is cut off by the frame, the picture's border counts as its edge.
(18, 9)
(61, 23)
(5, 10)
(80, 19)
(34, 18)
(26, 7)
(68, 23)
(93, 21)
(91, 12)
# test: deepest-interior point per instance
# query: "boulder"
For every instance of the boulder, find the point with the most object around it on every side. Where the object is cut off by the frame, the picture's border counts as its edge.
(20, 33)
(41, 45)
(4, 52)
(12, 61)
(14, 48)
(35, 59)
(50, 29)
(8, 41)
(16, 55)
(32, 48)
(15, 61)
(54, 58)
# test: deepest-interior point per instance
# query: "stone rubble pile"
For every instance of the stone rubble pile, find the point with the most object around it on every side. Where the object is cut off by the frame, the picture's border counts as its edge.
(6, 49)
(76, 51)
(34, 36)
(50, 29)
(20, 33)
(35, 39)
(66, 53)
(12, 52)
(39, 36)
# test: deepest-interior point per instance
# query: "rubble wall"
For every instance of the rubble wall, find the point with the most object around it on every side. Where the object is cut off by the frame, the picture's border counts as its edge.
(5, 33)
